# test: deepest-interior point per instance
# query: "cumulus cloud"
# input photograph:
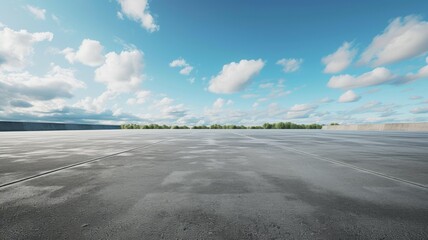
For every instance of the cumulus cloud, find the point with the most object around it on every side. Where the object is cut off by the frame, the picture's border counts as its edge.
(220, 102)
(140, 97)
(339, 60)
(96, 104)
(24, 90)
(375, 77)
(121, 72)
(167, 110)
(180, 62)
(186, 70)
(290, 64)
(301, 111)
(138, 10)
(89, 53)
(38, 13)
(402, 39)
(165, 101)
(235, 76)
(16, 47)
(349, 96)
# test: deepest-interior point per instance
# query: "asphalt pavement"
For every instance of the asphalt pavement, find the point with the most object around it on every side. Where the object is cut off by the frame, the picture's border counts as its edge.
(213, 184)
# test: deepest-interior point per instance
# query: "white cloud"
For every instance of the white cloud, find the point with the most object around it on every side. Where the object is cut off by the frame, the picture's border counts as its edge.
(121, 72)
(290, 65)
(164, 102)
(339, 60)
(140, 97)
(403, 38)
(16, 47)
(56, 84)
(2, 25)
(301, 107)
(90, 53)
(419, 110)
(38, 13)
(300, 111)
(219, 103)
(138, 10)
(186, 70)
(97, 104)
(349, 96)
(375, 77)
(167, 110)
(235, 76)
(422, 73)
(180, 62)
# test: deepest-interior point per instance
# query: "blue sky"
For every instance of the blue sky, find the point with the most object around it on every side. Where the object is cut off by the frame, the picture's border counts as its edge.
(204, 62)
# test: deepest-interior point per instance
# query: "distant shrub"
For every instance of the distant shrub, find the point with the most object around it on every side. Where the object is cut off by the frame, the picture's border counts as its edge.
(278, 125)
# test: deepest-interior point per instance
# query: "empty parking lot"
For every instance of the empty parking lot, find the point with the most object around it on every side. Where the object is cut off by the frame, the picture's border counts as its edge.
(213, 184)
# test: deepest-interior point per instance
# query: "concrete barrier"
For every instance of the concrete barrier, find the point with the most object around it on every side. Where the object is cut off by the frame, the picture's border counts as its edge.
(39, 126)
(410, 127)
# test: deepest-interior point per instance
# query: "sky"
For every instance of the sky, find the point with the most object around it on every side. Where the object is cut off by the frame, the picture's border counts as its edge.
(193, 62)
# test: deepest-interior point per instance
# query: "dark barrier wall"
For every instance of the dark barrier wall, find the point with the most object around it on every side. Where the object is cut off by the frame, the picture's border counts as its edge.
(38, 126)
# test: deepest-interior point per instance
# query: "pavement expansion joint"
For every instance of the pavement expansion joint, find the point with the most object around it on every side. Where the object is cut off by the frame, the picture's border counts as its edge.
(337, 162)
(52, 171)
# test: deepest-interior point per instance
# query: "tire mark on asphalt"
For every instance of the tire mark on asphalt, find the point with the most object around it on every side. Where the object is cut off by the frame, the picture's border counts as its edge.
(365, 170)
(53, 171)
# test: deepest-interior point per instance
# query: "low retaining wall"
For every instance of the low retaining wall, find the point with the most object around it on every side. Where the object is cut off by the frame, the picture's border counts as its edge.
(39, 126)
(411, 127)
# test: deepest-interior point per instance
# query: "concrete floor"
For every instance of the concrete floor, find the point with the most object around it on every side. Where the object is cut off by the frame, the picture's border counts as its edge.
(213, 184)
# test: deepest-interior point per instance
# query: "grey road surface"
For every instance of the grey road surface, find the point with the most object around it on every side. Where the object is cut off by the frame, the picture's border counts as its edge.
(213, 184)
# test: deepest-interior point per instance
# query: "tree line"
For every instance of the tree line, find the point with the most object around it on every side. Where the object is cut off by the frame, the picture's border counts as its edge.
(278, 125)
